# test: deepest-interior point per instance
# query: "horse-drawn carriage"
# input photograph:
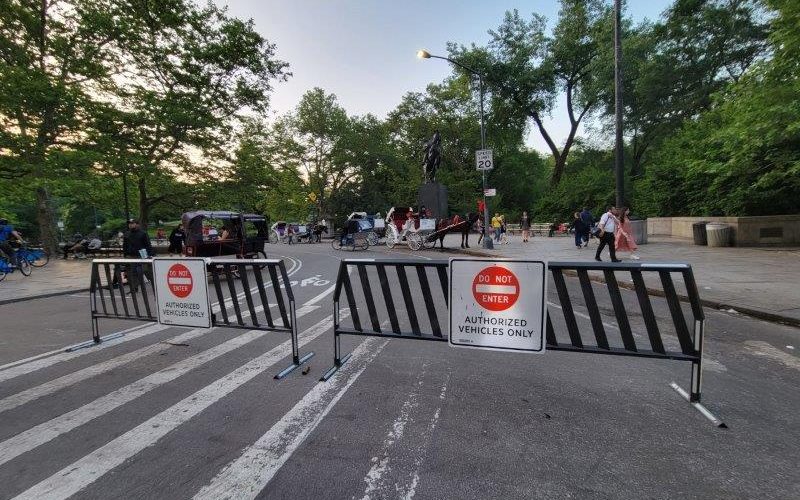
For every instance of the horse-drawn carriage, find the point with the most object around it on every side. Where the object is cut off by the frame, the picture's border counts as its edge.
(403, 224)
(242, 235)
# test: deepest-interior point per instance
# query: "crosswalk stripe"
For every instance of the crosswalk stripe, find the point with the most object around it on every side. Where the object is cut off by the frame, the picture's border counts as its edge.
(47, 431)
(88, 469)
(245, 477)
(73, 378)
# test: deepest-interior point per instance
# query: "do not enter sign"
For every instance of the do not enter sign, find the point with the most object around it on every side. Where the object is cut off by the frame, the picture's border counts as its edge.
(498, 305)
(495, 288)
(182, 292)
(179, 281)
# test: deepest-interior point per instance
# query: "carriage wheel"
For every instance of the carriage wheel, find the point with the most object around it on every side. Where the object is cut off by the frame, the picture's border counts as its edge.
(372, 238)
(391, 238)
(414, 241)
(273, 237)
(428, 244)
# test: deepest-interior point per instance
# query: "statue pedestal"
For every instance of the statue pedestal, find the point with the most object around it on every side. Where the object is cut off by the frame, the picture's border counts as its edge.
(433, 196)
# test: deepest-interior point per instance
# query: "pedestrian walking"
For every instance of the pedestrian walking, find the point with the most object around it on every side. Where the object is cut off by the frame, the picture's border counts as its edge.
(177, 238)
(579, 228)
(624, 240)
(525, 225)
(137, 246)
(607, 227)
(496, 224)
(481, 230)
(588, 221)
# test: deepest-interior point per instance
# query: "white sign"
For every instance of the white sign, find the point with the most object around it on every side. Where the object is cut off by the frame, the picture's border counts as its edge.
(490, 192)
(427, 224)
(483, 159)
(182, 292)
(498, 304)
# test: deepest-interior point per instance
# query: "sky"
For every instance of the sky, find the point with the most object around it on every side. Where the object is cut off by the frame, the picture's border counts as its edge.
(364, 51)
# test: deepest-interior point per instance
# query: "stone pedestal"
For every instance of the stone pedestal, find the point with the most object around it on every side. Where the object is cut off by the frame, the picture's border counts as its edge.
(433, 196)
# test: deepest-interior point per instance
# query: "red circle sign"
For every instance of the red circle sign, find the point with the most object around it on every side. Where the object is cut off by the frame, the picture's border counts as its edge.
(179, 281)
(495, 288)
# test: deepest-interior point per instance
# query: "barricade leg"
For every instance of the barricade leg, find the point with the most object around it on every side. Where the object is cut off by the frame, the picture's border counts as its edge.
(297, 361)
(338, 361)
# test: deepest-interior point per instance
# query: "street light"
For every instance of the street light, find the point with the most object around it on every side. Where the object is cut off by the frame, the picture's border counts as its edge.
(424, 54)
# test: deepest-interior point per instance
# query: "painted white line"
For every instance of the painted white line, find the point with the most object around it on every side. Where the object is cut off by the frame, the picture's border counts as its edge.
(47, 431)
(29, 365)
(380, 464)
(246, 476)
(407, 491)
(767, 350)
(78, 475)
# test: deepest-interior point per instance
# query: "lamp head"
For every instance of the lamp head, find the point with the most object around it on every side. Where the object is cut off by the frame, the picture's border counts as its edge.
(423, 54)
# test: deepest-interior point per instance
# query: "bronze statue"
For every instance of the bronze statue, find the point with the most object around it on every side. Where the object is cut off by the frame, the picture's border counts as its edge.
(433, 157)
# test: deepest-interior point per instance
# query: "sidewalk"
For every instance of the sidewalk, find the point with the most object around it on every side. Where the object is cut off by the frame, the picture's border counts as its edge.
(762, 282)
(57, 277)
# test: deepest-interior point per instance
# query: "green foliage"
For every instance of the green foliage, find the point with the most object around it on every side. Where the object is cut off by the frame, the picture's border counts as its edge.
(743, 156)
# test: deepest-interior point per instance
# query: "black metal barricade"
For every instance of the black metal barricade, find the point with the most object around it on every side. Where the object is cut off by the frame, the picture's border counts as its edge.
(387, 314)
(123, 289)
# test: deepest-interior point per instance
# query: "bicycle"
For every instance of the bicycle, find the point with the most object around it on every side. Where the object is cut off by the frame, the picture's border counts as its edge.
(7, 267)
(37, 257)
(353, 242)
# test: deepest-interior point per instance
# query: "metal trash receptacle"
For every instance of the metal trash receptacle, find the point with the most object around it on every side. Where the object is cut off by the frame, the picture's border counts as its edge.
(699, 233)
(719, 235)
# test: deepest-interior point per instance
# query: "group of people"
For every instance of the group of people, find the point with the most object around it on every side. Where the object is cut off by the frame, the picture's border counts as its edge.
(499, 229)
(613, 230)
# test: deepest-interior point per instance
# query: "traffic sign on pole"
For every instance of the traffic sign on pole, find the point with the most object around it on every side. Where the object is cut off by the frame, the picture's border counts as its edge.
(182, 292)
(483, 159)
(498, 305)
(490, 192)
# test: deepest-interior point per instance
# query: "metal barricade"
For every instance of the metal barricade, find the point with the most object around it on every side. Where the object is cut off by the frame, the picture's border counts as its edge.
(404, 320)
(122, 289)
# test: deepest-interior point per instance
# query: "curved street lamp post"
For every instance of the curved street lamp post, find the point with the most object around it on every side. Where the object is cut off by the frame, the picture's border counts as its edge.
(424, 54)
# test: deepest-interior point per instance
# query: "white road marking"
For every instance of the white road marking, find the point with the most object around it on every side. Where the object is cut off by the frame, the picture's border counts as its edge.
(765, 349)
(52, 386)
(80, 474)
(47, 431)
(408, 491)
(245, 477)
(32, 364)
(380, 465)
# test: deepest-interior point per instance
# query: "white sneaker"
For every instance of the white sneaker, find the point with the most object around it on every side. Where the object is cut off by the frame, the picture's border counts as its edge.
(634, 257)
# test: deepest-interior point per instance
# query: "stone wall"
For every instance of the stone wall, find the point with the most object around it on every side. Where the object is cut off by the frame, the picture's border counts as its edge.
(775, 230)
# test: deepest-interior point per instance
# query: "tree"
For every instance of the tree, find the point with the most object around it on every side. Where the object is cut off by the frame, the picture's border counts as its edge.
(193, 69)
(52, 56)
(673, 67)
(527, 69)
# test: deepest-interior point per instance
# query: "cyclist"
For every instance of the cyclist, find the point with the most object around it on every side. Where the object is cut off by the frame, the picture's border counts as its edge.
(6, 233)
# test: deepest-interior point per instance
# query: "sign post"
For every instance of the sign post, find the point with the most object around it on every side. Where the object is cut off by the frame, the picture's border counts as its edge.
(498, 305)
(182, 292)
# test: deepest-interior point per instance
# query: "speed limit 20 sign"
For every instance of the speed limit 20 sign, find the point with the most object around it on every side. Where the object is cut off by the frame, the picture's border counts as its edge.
(483, 159)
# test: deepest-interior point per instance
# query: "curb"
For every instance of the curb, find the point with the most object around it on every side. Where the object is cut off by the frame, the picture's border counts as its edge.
(713, 304)
(42, 296)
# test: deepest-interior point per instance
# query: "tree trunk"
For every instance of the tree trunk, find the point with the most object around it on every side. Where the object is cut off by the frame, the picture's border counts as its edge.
(144, 207)
(47, 233)
(558, 169)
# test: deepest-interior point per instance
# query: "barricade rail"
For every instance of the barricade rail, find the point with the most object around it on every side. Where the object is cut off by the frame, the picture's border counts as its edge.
(405, 321)
(123, 289)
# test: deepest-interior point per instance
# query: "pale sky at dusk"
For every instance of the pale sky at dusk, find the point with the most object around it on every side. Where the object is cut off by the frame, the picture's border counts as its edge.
(364, 51)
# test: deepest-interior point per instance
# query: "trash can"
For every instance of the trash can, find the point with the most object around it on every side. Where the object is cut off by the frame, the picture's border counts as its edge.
(699, 233)
(639, 230)
(719, 235)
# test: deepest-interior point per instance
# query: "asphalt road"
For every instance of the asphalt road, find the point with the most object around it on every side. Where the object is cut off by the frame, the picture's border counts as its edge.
(167, 412)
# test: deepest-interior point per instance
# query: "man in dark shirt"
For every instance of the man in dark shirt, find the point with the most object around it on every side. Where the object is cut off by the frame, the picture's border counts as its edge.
(588, 221)
(135, 241)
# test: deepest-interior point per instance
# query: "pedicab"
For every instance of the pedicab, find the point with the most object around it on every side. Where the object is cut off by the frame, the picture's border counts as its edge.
(240, 235)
